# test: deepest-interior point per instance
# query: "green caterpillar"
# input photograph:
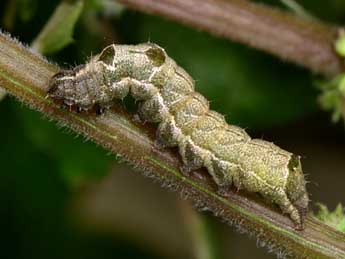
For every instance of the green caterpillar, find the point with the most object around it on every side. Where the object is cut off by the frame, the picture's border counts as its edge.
(166, 95)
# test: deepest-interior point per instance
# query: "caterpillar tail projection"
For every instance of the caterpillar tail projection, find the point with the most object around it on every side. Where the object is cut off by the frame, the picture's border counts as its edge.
(166, 96)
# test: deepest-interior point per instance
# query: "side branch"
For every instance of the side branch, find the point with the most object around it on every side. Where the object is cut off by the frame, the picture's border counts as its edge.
(25, 75)
(308, 43)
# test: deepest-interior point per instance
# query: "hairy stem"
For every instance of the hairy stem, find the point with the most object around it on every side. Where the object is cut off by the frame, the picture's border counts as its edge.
(306, 42)
(25, 75)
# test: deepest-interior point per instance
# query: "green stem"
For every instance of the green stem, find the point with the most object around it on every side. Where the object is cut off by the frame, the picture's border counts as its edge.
(26, 75)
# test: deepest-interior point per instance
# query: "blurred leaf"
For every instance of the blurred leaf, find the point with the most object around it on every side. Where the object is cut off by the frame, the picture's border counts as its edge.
(58, 31)
(253, 89)
(334, 219)
(333, 96)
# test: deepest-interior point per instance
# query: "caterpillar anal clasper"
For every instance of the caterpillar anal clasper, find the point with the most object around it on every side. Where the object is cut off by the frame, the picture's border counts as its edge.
(166, 96)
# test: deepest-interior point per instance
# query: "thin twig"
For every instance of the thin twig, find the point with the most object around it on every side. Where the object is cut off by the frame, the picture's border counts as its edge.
(305, 42)
(25, 75)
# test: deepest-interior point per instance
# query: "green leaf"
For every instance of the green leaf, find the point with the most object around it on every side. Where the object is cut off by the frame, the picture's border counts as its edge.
(335, 219)
(333, 96)
(58, 31)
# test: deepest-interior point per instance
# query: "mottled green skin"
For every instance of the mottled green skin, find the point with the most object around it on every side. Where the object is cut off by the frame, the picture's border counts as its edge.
(166, 94)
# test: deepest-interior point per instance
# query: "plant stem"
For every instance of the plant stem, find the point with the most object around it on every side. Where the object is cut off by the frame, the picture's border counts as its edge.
(308, 43)
(26, 75)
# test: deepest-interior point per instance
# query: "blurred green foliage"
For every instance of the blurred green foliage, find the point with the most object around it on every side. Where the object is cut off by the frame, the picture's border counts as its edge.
(333, 96)
(334, 218)
(58, 31)
(42, 165)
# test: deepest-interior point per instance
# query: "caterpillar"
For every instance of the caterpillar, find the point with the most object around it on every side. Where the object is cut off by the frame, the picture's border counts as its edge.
(166, 96)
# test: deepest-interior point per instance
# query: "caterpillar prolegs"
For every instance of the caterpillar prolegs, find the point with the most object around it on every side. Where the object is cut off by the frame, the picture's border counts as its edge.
(166, 96)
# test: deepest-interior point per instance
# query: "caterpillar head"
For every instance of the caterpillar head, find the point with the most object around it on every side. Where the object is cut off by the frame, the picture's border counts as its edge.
(62, 86)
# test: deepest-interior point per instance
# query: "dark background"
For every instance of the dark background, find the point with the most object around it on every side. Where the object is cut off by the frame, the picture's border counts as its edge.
(64, 198)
